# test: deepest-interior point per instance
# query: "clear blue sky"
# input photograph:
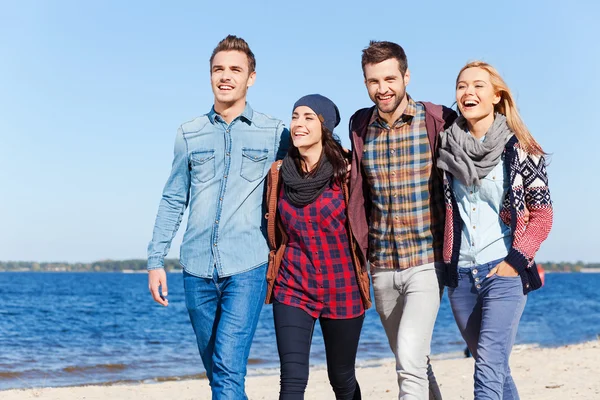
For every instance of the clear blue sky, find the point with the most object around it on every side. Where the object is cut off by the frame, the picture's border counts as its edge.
(92, 92)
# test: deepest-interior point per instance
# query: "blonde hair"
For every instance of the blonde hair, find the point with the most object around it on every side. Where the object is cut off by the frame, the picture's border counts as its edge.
(507, 107)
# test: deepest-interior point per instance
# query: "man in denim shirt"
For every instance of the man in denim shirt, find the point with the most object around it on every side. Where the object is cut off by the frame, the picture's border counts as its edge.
(219, 166)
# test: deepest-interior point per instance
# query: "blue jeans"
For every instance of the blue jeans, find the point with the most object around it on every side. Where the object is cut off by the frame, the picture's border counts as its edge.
(487, 312)
(224, 313)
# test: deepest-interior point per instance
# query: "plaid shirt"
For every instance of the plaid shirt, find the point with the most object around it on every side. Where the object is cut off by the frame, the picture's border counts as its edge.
(398, 166)
(317, 273)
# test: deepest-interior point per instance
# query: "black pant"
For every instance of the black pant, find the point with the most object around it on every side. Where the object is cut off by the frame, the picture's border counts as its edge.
(294, 330)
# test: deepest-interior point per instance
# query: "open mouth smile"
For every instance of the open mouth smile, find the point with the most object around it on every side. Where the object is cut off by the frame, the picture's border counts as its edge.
(469, 104)
(385, 98)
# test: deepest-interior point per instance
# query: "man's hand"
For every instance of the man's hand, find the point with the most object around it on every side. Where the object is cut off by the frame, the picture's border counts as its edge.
(503, 269)
(158, 278)
(348, 158)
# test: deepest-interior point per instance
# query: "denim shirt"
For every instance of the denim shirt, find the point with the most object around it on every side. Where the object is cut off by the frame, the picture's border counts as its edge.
(485, 237)
(219, 170)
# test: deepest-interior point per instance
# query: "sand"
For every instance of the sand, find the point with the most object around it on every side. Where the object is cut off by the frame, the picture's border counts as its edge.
(569, 372)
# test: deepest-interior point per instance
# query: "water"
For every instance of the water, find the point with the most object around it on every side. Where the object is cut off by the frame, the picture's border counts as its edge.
(60, 329)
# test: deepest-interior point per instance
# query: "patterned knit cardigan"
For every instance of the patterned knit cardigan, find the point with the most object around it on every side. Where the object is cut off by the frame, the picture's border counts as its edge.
(528, 188)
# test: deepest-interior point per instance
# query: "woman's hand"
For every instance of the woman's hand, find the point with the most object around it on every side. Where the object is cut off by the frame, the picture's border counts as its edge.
(503, 269)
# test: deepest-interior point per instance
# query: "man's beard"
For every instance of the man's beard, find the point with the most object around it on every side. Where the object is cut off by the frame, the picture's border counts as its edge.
(393, 106)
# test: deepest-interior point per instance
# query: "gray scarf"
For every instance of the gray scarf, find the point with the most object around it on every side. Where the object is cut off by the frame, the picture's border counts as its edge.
(467, 158)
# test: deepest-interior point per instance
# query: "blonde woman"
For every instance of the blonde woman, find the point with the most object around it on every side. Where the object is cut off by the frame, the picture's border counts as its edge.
(494, 174)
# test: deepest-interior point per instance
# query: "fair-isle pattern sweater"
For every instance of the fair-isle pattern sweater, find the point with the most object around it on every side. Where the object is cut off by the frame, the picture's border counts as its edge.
(528, 188)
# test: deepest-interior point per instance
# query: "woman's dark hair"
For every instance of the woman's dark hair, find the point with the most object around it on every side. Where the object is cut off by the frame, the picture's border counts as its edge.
(332, 149)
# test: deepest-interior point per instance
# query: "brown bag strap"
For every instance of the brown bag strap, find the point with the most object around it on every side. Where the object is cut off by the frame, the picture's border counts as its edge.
(272, 194)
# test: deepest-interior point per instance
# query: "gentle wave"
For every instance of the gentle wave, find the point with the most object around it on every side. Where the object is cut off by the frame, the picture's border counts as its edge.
(78, 369)
(10, 375)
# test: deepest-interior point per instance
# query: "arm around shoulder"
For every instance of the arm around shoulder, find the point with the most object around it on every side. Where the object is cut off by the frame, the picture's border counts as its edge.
(284, 141)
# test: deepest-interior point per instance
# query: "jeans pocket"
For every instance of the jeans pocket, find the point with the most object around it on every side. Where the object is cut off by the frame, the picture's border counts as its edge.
(507, 277)
(253, 163)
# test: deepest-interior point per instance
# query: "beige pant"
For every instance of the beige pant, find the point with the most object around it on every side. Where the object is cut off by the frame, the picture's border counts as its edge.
(407, 302)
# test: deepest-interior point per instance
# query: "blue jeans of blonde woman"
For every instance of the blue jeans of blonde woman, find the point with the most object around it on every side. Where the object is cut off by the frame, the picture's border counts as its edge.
(487, 312)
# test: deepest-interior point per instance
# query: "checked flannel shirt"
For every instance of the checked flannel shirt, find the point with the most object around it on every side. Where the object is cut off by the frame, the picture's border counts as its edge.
(317, 274)
(405, 211)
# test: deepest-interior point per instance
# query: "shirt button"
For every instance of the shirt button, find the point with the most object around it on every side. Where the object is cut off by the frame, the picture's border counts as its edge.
(392, 151)
(473, 226)
(478, 286)
(476, 279)
(393, 173)
(220, 199)
(395, 195)
(397, 218)
(473, 208)
(475, 271)
(227, 154)
(470, 192)
(493, 177)
(224, 176)
(216, 221)
(214, 244)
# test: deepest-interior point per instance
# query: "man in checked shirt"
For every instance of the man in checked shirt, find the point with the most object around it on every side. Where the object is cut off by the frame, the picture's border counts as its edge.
(393, 149)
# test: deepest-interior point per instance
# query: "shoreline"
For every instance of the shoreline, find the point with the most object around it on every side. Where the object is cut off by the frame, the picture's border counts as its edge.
(256, 370)
(540, 372)
(590, 270)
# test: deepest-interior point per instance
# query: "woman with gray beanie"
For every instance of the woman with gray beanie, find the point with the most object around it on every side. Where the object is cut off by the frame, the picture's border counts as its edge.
(498, 212)
(315, 268)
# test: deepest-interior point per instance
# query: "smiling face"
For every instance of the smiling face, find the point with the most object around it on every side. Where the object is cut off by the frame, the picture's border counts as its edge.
(306, 130)
(387, 87)
(230, 78)
(475, 95)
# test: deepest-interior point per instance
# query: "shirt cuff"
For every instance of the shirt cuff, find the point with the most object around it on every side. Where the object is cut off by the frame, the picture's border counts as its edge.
(155, 263)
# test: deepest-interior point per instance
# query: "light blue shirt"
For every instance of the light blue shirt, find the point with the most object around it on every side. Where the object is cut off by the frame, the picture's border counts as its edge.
(219, 171)
(484, 236)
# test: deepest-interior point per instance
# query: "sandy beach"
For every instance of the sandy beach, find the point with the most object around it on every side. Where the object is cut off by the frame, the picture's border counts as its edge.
(569, 372)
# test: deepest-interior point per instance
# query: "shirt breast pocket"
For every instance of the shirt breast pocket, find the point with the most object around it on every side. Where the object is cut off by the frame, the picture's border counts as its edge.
(203, 165)
(494, 187)
(332, 213)
(253, 163)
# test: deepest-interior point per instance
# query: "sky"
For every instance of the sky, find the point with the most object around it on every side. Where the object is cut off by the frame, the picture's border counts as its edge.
(92, 93)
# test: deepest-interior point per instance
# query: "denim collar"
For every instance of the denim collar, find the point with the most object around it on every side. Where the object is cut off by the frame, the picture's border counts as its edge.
(246, 115)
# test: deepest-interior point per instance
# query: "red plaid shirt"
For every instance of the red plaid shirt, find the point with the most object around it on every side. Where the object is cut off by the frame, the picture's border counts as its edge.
(316, 273)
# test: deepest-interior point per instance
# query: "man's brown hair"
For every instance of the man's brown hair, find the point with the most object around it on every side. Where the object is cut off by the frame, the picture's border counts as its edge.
(234, 43)
(380, 51)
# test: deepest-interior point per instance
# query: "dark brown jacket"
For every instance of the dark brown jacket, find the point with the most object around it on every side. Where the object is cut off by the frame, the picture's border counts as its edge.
(277, 239)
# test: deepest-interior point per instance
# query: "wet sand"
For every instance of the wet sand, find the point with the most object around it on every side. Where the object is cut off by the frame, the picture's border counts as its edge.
(569, 372)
